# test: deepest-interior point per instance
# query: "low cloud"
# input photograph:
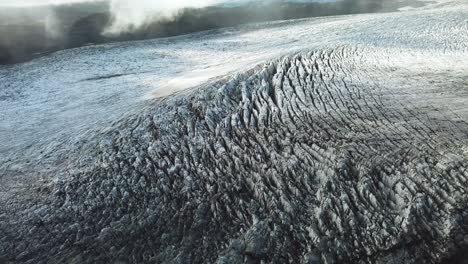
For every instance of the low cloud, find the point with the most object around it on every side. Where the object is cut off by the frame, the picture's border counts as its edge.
(127, 16)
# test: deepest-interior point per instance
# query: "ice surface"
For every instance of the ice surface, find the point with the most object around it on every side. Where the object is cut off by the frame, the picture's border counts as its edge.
(70, 92)
(337, 140)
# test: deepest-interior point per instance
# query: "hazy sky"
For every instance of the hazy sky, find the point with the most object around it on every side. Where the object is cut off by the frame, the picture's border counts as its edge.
(55, 2)
(128, 15)
(37, 2)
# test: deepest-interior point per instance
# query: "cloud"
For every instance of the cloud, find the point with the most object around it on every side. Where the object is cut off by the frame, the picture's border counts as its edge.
(131, 15)
(26, 3)
(128, 16)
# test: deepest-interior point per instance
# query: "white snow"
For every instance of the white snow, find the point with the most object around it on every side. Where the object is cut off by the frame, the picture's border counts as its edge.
(67, 94)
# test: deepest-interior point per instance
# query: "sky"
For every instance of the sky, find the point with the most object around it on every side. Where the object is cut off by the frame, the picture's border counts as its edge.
(58, 2)
(38, 2)
(175, 2)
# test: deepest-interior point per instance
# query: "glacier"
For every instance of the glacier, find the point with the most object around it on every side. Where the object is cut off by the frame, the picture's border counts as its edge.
(322, 140)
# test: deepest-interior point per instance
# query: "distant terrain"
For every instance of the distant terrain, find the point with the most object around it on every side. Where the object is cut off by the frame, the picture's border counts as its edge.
(41, 30)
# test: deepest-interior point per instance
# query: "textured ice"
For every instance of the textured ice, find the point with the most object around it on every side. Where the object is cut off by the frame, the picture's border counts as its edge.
(328, 140)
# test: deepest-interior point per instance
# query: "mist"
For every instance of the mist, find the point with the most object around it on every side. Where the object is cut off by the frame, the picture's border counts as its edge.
(129, 16)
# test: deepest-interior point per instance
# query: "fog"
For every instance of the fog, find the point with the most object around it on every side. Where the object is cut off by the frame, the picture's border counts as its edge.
(127, 16)
(29, 3)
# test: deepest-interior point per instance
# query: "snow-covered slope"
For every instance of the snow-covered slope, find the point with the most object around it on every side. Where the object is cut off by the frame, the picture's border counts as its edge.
(340, 140)
(43, 99)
